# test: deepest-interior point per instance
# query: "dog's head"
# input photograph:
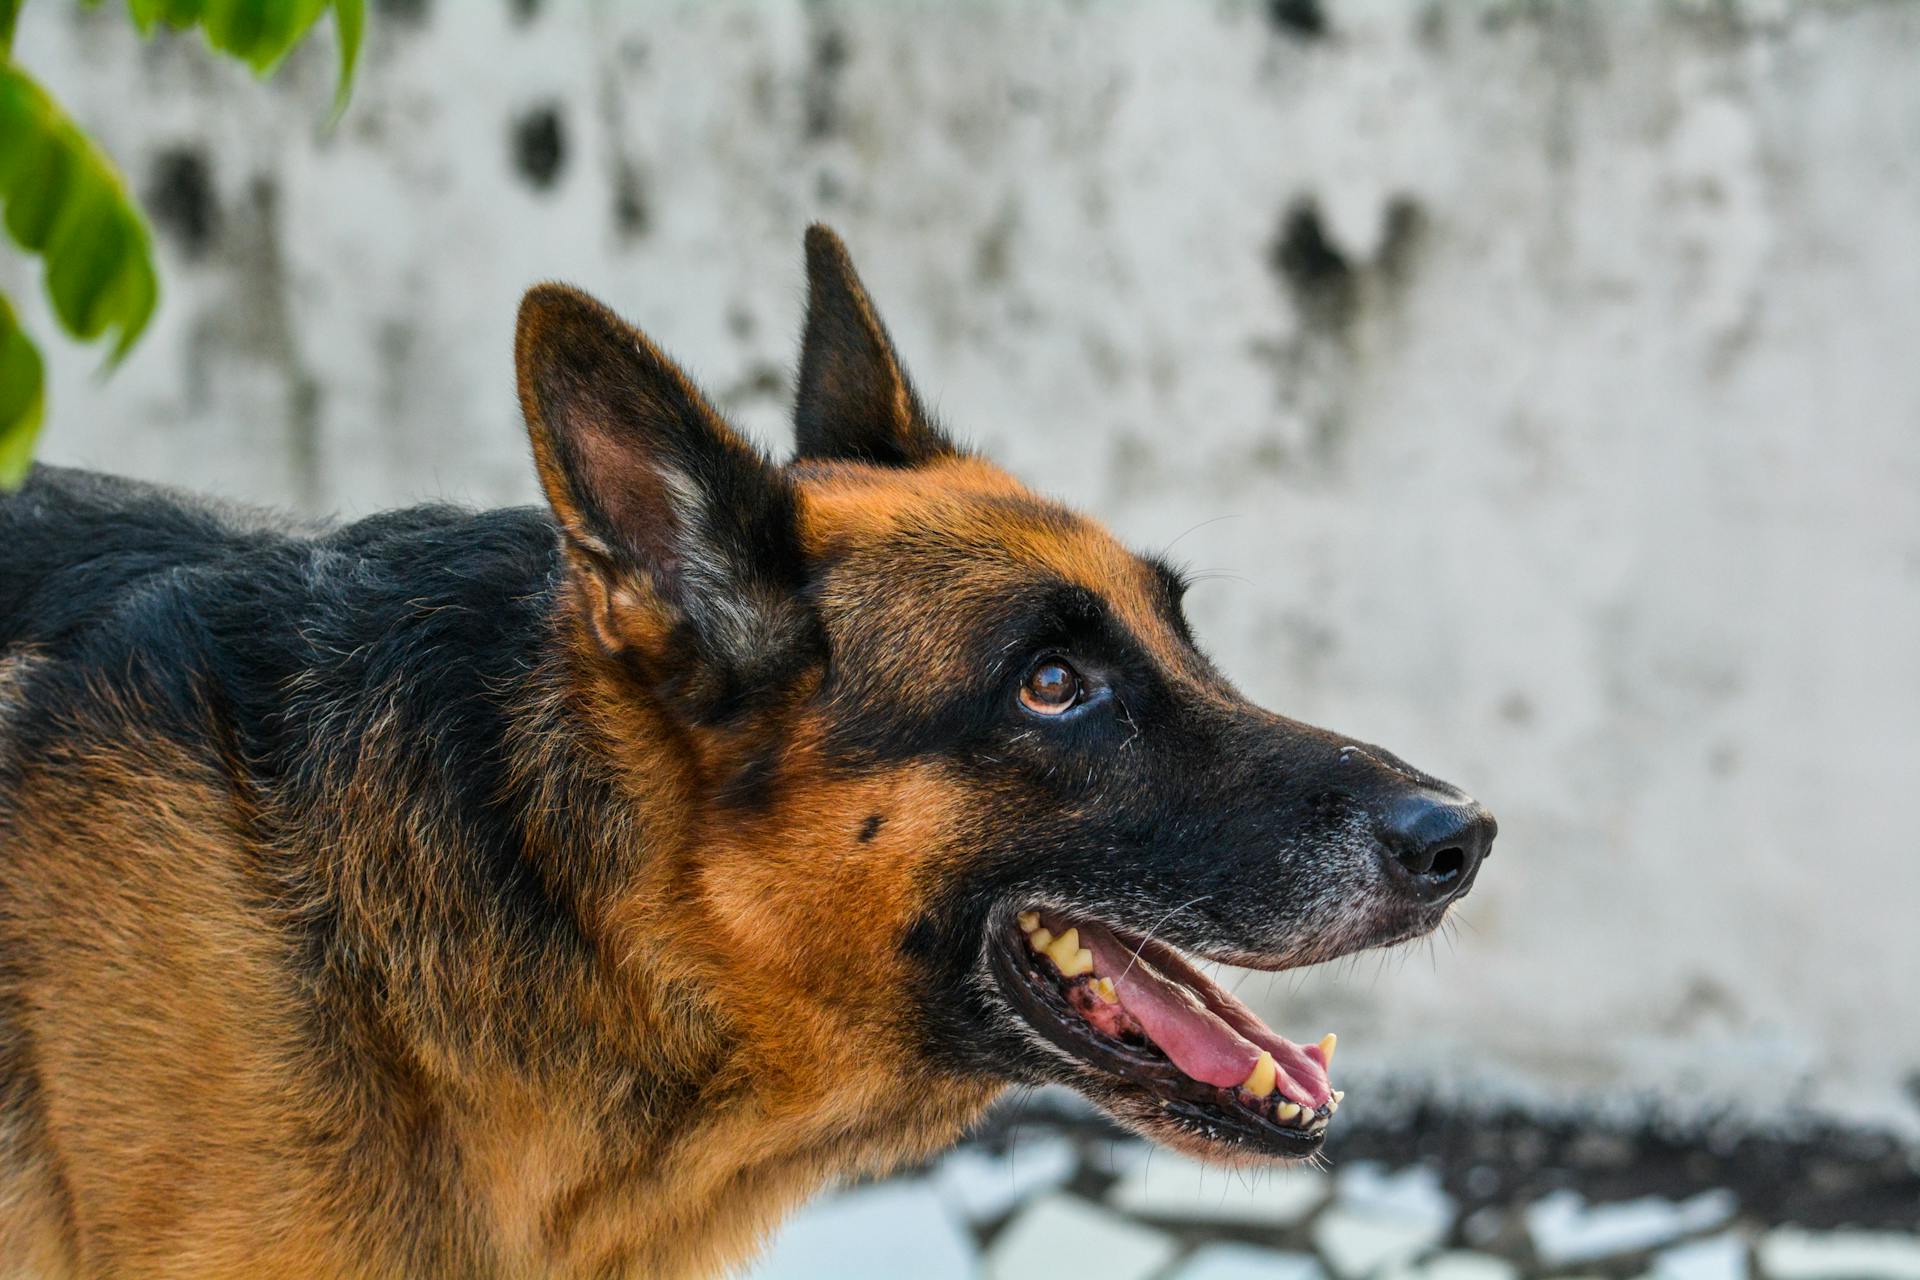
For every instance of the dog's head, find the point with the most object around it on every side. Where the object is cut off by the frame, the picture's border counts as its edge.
(952, 794)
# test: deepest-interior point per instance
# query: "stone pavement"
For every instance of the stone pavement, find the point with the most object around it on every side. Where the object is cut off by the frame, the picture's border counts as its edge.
(1053, 1190)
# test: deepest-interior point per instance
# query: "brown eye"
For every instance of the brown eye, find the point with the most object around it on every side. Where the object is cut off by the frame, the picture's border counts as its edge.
(1051, 688)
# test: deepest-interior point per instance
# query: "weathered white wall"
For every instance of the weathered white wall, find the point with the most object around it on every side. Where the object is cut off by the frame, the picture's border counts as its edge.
(1578, 459)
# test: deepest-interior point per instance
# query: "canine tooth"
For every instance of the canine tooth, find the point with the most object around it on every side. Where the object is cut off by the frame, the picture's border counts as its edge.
(1103, 987)
(1040, 939)
(1063, 947)
(1260, 1080)
(1327, 1042)
(1078, 963)
(1339, 1095)
(1029, 920)
(1286, 1110)
(1333, 1105)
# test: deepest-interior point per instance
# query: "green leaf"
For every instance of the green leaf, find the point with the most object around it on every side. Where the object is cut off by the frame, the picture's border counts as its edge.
(47, 178)
(64, 201)
(22, 399)
(349, 24)
(178, 14)
(259, 32)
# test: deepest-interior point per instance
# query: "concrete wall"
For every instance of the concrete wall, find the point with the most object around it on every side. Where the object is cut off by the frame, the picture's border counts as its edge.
(1541, 382)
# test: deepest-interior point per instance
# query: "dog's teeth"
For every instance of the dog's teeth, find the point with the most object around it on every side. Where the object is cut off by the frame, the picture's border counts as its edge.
(1063, 947)
(1260, 1080)
(1103, 987)
(1286, 1111)
(1029, 920)
(1327, 1042)
(1339, 1096)
(1333, 1105)
(1068, 956)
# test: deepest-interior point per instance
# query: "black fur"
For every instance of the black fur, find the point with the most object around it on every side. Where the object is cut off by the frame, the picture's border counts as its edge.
(853, 387)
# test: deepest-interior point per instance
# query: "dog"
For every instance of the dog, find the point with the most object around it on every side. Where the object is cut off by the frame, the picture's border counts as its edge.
(573, 891)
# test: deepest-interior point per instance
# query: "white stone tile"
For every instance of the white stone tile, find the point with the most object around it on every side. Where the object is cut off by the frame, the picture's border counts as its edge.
(1457, 1265)
(1170, 1186)
(1359, 1244)
(1830, 1255)
(1720, 1258)
(1412, 1194)
(981, 1186)
(880, 1232)
(1246, 1262)
(1565, 1229)
(1063, 1234)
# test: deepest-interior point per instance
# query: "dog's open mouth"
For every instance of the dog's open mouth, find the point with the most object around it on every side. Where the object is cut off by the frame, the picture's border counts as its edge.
(1137, 1011)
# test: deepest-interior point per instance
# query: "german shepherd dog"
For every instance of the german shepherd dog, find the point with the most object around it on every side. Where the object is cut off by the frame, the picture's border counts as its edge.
(573, 891)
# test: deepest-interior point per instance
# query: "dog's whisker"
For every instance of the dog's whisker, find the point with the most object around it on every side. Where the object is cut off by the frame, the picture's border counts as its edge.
(1171, 912)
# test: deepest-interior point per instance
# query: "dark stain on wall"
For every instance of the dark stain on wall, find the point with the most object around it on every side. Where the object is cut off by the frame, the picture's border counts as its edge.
(993, 253)
(1327, 287)
(539, 146)
(1337, 294)
(1406, 228)
(632, 217)
(181, 198)
(412, 12)
(626, 170)
(1317, 275)
(1301, 19)
(826, 60)
(761, 382)
(524, 11)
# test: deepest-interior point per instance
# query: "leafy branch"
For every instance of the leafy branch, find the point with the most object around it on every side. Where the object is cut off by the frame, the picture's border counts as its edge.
(63, 200)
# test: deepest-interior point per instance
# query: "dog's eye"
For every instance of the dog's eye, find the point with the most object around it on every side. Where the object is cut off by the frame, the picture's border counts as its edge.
(1051, 688)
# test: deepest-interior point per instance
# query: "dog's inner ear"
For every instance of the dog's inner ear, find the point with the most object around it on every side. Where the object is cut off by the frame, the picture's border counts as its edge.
(678, 530)
(855, 402)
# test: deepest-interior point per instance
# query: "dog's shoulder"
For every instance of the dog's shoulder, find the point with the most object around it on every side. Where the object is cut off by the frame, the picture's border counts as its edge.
(171, 601)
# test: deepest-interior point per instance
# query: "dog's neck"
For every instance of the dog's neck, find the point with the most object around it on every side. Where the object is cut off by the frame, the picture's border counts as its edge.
(617, 1108)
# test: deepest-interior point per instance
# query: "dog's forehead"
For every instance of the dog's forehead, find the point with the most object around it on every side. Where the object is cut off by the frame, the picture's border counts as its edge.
(965, 523)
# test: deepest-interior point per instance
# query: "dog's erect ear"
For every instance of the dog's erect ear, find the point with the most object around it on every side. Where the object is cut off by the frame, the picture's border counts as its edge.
(677, 528)
(855, 403)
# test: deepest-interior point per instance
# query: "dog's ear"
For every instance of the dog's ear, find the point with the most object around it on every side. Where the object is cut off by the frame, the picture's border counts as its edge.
(678, 531)
(855, 402)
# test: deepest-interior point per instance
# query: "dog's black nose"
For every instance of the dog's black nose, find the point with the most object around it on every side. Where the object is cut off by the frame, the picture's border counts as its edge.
(1435, 841)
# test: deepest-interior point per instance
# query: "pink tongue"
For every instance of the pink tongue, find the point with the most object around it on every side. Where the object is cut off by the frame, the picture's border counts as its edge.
(1302, 1068)
(1209, 1035)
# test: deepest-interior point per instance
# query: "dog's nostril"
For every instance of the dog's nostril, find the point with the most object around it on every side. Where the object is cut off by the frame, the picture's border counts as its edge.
(1448, 863)
(1417, 859)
